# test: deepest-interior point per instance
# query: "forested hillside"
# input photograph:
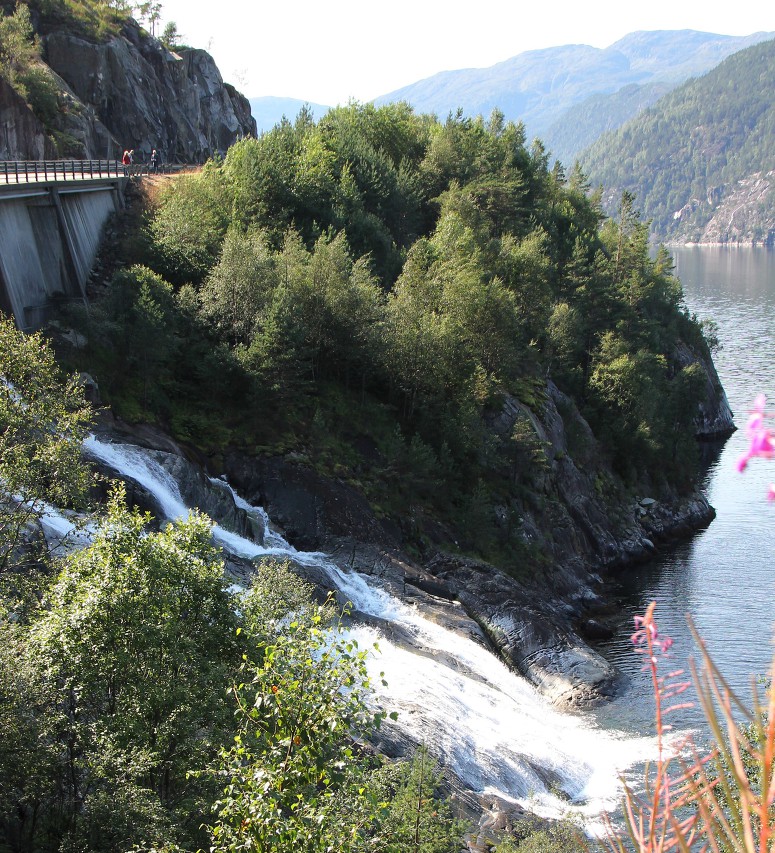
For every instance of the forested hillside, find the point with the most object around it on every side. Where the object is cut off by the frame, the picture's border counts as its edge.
(367, 292)
(700, 161)
(581, 125)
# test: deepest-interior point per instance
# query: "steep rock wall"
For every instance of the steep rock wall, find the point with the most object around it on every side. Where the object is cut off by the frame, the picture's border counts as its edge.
(739, 213)
(149, 97)
(127, 92)
(22, 136)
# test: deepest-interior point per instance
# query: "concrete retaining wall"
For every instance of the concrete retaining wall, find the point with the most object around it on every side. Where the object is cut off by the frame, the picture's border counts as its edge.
(49, 237)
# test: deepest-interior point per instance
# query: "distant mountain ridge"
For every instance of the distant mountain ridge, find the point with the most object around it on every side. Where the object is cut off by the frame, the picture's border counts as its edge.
(540, 87)
(567, 95)
(701, 161)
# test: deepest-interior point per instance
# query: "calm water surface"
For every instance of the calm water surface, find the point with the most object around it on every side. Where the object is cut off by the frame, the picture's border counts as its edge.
(724, 576)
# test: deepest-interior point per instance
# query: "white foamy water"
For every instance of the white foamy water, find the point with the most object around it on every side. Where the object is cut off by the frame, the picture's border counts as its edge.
(489, 725)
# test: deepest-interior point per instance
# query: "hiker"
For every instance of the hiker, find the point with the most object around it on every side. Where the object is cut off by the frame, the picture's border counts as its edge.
(155, 160)
(126, 161)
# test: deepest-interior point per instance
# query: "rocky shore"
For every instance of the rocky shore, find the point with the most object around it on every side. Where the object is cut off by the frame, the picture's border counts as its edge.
(541, 625)
(538, 623)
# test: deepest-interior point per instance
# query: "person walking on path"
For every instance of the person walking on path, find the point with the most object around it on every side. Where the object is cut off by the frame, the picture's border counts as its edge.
(154, 160)
(126, 160)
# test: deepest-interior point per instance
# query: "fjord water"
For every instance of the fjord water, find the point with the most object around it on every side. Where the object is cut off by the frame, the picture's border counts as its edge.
(725, 575)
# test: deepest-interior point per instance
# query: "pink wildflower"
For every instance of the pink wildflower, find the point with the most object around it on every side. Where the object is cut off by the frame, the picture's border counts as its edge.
(760, 437)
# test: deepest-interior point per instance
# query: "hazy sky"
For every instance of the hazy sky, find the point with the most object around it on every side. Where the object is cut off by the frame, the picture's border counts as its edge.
(327, 51)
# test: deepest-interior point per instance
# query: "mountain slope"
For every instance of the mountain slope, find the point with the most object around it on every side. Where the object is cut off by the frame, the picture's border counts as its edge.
(699, 162)
(538, 86)
(580, 125)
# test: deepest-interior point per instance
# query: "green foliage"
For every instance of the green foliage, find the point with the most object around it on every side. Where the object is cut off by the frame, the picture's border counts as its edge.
(417, 819)
(275, 592)
(113, 690)
(157, 359)
(189, 226)
(43, 95)
(148, 11)
(557, 837)
(170, 36)
(28, 762)
(33, 80)
(239, 287)
(294, 781)
(630, 384)
(43, 420)
(91, 19)
(135, 646)
(19, 48)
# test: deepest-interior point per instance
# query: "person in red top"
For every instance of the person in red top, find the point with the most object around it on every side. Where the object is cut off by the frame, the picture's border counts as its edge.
(126, 160)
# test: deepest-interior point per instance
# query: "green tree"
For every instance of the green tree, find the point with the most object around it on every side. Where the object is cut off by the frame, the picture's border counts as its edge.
(150, 12)
(294, 779)
(628, 388)
(189, 224)
(418, 818)
(135, 644)
(236, 292)
(562, 836)
(18, 47)
(29, 762)
(43, 421)
(170, 37)
(139, 318)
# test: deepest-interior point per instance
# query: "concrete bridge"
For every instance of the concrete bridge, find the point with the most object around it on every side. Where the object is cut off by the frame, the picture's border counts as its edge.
(51, 218)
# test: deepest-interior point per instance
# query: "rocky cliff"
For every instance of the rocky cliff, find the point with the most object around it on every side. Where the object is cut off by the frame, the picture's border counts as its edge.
(577, 522)
(22, 135)
(130, 91)
(741, 212)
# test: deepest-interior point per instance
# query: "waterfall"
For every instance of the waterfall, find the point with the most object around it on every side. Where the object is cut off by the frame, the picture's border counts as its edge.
(487, 724)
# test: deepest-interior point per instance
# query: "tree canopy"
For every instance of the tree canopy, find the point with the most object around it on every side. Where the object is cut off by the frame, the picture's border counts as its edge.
(387, 274)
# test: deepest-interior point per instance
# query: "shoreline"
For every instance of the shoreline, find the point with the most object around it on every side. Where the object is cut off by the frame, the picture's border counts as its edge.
(741, 244)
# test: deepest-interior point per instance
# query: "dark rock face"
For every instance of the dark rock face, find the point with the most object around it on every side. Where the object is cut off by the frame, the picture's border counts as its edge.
(714, 419)
(132, 92)
(536, 621)
(20, 130)
(314, 512)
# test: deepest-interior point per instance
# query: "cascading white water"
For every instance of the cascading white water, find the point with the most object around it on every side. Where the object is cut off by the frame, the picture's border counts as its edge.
(490, 726)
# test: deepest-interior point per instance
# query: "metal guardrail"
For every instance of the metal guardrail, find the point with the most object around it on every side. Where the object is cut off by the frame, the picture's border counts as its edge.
(30, 171)
(27, 171)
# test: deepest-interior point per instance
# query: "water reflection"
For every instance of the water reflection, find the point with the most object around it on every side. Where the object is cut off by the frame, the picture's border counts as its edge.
(725, 575)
